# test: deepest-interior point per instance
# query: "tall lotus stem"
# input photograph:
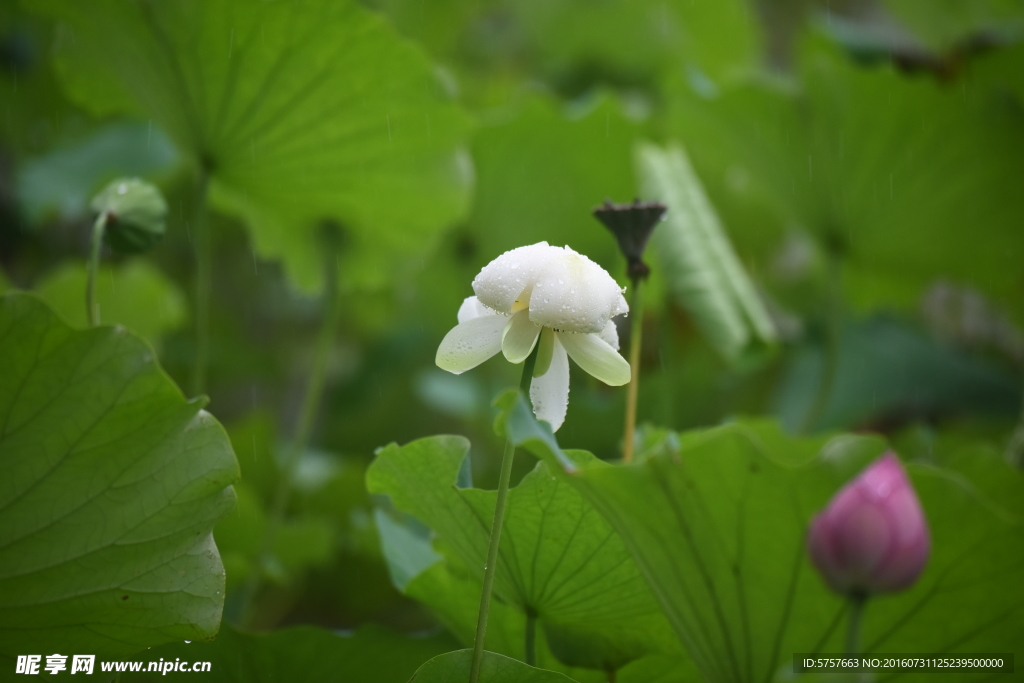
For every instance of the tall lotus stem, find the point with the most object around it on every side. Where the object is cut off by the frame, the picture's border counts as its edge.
(632, 225)
(496, 524)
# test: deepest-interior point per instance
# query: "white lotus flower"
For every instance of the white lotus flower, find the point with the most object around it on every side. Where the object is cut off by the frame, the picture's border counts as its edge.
(544, 295)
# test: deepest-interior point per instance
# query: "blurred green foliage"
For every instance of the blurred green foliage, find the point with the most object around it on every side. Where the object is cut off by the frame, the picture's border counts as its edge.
(862, 158)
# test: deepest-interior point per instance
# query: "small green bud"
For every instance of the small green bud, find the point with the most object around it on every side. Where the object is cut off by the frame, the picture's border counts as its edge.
(136, 213)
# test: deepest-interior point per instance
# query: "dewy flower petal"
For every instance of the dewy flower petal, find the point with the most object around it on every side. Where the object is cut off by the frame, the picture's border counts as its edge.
(511, 276)
(610, 334)
(544, 297)
(574, 294)
(519, 337)
(469, 344)
(472, 308)
(549, 392)
(547, 347)
(594, 355)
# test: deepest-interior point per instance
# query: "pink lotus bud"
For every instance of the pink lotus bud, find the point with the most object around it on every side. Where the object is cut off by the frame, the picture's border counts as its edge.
(872, 537)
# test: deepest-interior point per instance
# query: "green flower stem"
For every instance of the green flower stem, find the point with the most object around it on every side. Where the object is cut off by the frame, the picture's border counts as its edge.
(310, 408)
(496, 524)
(531, 638)
(857, 603)
(636, 330)
(91, 310)
(203, 244)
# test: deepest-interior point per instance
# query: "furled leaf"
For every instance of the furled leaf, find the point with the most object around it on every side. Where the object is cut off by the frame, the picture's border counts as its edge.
(558, 558)
(300, 111)
(496, 668)
(313, 655)
(719, 528)
(700, 264)
(134, 294)
(112, 484)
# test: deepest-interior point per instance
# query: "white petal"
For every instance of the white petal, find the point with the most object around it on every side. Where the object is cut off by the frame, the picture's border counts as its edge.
(473, 308)
(510, 277)
(519, 337)
(575, 294)
(547, 346)
(610, 334)
(469, 344)
(594, 355)
(550, 392)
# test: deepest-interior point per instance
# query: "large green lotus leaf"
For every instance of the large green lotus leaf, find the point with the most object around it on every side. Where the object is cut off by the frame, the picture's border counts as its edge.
(558, 558)
(453, 597)
(444, 586)
(302, 111)
(134, 294)
(541, 169)
(302, 653)
(907, 180)
(496, 668)
(627, 41)
(718, 529)
(112, 484)
(699, 261)
(575, 44)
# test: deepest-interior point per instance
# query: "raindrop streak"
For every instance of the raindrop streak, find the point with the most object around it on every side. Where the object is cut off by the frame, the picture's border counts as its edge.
(231, 43)
(389, 127)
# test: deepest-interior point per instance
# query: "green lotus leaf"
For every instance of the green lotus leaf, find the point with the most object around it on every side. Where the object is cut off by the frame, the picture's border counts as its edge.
(112, 484)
